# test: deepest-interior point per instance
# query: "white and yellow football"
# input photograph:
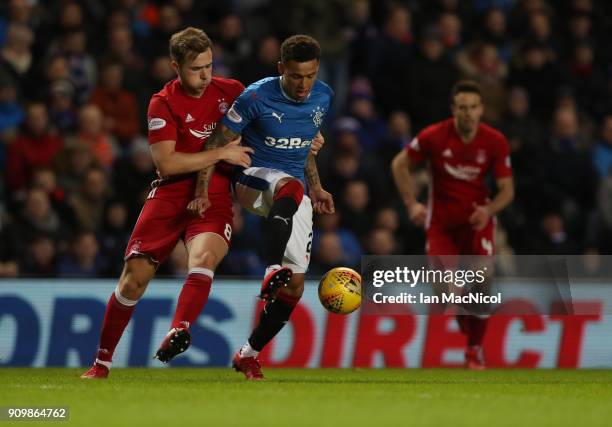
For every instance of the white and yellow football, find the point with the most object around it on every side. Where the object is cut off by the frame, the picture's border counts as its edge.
(340, 290)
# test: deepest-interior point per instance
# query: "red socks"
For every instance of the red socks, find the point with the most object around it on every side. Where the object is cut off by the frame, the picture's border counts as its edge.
(193, 297)
(118, 314)
(474, 327)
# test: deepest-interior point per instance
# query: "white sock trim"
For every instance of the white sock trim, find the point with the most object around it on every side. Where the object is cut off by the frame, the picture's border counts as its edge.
(123, 300)
(104, 363)
(201, 270)
(248, 351)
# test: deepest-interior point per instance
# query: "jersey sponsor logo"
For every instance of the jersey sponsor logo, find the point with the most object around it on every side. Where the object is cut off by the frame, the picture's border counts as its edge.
(414, 144)
(287, 143)
(508, 162)
(447, 153)
(464, 173)
(277, 116)
(202, 134)
(189, 118)
(156, 123)
(233, 116)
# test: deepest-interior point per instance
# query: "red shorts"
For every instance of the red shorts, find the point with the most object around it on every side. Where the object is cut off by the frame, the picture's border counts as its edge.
(163, 222)
(461, 240)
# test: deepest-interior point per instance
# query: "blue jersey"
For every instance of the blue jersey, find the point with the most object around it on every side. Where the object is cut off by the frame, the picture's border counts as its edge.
(279, 129)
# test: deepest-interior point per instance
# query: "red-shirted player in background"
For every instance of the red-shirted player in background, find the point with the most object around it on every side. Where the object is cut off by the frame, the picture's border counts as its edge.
(181, 117)
(460, 218)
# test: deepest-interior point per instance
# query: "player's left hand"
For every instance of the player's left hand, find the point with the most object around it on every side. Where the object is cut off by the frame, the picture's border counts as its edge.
(198, 206)
(322, 201)
(317, 144)
(480, 217)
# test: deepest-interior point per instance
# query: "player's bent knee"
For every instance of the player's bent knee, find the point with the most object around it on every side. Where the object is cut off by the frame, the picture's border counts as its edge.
(292, 188)
(135, 278)
(205, 259)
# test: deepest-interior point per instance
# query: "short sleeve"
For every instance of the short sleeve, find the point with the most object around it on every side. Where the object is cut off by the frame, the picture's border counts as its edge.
(244, 109)
(162, 126)
(418, 149)
(502, 166)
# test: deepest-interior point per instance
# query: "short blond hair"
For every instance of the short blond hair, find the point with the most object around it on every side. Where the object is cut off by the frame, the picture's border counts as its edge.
(188, 43)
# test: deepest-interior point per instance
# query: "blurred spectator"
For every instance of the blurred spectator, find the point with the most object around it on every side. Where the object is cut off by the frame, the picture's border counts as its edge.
(121, 49)
(482, 64)
(517, 123)
(391, 55)
(40, 259)
(602, 151)
(16, 55)
(432, 76)
(84, 258)
(73, 162)
(133, 175)
(327, 254)
(586, 79)
(114, 236)
(11, 112)
(380, 242)
(88, 203)
(348, 240)
(495, 32)
(62, 106)
(9, 265)
(372, 128)
(93, 135)
(553, 239)
(81, 65)
(37, 217)
(46, 179)
(539, 76)
(35, 147)
(262, 64)
(118, 105)
(355, 208)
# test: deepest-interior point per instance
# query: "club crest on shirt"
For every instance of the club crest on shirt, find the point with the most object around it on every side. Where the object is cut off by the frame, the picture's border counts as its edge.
(481, 157)
(317, 116)
(223, 106)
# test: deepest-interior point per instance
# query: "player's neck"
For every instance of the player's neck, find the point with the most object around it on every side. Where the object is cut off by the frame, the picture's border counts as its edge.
(466, 136)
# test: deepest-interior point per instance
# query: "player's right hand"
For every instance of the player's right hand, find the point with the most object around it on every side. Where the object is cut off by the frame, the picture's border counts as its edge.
(198, 206)
(418, 214)
(236, 154)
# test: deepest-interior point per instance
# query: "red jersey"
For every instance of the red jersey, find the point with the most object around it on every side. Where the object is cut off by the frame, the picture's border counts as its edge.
(458, 170)
(175, 116)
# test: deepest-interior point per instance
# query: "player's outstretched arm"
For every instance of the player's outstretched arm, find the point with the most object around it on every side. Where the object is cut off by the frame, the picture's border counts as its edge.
(227, 141)
(400, 166)
(323, 202)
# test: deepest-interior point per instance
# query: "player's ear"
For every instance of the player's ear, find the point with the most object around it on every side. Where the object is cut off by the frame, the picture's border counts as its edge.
(175, 66)
(280, 67)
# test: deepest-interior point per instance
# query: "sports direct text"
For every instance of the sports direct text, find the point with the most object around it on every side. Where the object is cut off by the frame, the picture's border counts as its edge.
(411, 277)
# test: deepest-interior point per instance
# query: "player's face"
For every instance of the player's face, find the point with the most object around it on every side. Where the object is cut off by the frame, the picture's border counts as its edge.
(195, 75)
(467, 109)
(299, 77)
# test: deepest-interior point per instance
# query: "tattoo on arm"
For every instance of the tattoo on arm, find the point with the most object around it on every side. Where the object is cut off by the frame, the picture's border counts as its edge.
(312, 175)
(220, 137)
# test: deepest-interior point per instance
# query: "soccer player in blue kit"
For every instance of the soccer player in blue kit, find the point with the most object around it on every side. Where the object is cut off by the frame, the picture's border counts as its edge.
(279, 117)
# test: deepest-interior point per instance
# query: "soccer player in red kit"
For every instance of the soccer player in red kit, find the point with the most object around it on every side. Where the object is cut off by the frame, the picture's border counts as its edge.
(181, 117)
(460, 217)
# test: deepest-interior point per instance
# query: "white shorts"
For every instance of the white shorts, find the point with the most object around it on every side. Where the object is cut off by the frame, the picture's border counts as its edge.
(254, 190)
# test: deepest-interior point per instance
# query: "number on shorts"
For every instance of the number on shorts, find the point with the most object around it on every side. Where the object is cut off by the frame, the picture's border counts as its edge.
(309, 245)
(228, 232)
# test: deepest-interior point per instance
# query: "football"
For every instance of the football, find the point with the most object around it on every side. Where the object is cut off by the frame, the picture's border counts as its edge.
(340, 290)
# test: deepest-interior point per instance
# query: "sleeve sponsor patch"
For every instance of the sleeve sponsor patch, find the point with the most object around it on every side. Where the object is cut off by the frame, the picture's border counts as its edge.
(156, 123)
(415, 144)
(233, 116)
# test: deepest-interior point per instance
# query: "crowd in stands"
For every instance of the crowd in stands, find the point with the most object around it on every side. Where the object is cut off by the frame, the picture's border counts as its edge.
(76, 78)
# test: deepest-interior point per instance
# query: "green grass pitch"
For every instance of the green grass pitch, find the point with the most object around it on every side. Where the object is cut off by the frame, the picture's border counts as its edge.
(317, 397)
